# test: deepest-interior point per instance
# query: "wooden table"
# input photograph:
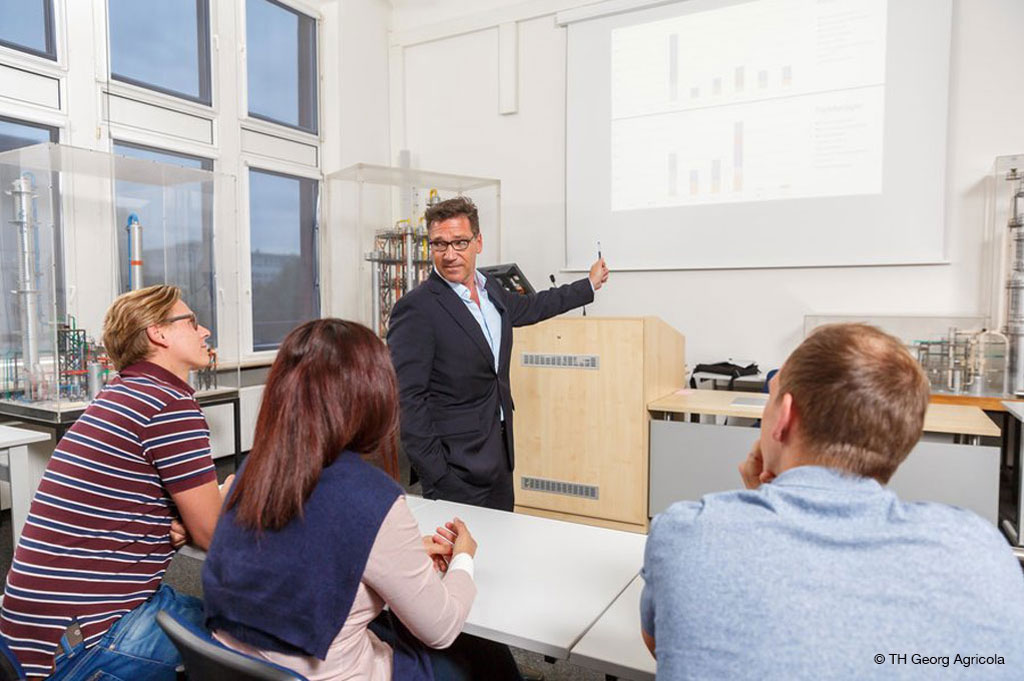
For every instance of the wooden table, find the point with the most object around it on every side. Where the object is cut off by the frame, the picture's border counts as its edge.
(940, 418)
(987, 403)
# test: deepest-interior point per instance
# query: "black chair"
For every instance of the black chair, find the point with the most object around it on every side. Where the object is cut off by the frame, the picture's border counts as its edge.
(207, 660)
(10, 669)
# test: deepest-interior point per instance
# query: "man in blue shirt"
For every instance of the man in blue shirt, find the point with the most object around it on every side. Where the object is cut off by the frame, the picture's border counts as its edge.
(816, 570)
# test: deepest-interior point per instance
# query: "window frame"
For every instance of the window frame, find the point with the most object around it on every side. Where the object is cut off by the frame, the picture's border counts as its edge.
(314, 81)
(204, 56)
(50, 37)
(206, 163)
(54, 130)
(248, 350)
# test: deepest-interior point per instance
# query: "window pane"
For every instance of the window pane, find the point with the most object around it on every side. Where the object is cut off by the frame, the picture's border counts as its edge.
(15, 134)
(177, 239)
(162, 46)
(281, 54)
(27, 25)
(282, 236)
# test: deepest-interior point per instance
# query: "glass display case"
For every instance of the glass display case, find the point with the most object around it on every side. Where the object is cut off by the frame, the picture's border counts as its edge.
(385, 206)
(1005, 245)
(962, 355)
(79, 227)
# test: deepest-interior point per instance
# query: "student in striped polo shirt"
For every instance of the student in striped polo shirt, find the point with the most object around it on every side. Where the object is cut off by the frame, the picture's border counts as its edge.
(130, 481)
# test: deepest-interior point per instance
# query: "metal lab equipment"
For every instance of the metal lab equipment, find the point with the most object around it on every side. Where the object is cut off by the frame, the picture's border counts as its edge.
(965, 362)
(1014, 309)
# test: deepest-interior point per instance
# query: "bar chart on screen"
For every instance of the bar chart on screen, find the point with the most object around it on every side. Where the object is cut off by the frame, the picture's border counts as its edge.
(771, 100)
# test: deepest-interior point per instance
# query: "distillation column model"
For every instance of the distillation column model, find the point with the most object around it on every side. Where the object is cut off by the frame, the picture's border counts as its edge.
(135, 252)
(28, 295)
(399, 261)
(1015, 285)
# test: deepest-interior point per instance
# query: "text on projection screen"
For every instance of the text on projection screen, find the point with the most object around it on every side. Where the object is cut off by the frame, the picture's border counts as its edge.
(715, 106)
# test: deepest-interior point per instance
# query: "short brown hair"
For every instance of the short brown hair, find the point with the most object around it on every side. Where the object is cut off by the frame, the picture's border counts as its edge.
(124, 325)
(453, 208)
(332, 388)
(860, 398)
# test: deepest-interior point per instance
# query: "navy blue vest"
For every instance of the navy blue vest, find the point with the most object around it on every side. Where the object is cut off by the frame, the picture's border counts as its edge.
(291, 590)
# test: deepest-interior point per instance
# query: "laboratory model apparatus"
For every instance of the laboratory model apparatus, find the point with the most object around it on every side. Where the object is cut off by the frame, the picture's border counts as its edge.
(45, 357)
(400, 260)
(385, 207)
(961, 355)
(71, 240)
(965, 362)
(1013, 311)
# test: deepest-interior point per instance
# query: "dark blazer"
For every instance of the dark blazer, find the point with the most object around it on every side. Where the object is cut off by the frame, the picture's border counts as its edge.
(450, 392)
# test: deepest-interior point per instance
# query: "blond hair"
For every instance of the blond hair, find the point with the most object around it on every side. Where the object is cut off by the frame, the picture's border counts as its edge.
(860, 398)
(124, 326)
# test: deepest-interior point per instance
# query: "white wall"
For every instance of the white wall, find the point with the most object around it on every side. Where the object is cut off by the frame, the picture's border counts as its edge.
(448, 116)
(355, 78)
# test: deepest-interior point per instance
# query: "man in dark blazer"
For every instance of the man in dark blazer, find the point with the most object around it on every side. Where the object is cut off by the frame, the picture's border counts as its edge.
(451, 344)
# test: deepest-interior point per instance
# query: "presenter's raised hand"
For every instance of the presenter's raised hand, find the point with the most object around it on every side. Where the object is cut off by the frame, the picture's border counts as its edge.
(598, 273)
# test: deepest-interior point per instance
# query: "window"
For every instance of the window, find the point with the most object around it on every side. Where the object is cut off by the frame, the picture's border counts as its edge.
(281, 54)
(163, 46)
(13, 135)
(27, 25)
(177, 239)
(283, 255)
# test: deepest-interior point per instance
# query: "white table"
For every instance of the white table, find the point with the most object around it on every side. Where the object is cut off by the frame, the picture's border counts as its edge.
(413, 500)
(614, 644)
(541, 583)
(27, 457)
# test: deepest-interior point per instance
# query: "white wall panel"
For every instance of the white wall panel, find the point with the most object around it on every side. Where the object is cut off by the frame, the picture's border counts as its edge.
(270, 146)
(136, 114)
(32, 88)
(250, 399)
(222, 436)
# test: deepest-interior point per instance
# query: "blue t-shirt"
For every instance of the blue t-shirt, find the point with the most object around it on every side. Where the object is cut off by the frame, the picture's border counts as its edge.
(820, 575)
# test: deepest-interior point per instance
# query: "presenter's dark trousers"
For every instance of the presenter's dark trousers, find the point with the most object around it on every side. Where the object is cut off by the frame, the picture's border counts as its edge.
(499, 494)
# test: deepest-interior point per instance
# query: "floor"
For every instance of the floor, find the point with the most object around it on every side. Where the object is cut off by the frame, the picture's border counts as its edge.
(184, 575)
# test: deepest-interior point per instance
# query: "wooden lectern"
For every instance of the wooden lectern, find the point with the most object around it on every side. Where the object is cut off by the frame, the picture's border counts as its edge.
(581, 387)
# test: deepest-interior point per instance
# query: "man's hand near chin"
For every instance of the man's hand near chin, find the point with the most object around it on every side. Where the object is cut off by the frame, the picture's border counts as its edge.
(752, 468)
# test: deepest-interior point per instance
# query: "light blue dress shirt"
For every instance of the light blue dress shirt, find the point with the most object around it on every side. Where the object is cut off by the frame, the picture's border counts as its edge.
(485, 314)
(819, 575)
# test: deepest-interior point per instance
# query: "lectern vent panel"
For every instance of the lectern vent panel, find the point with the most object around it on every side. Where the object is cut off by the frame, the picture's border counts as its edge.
(572, 489)
(556, 361)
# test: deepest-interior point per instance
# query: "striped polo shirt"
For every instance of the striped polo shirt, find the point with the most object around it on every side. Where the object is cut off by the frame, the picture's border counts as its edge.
(97, 540)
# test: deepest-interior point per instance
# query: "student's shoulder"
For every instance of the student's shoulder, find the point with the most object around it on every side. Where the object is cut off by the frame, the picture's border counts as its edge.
(957, 524)
(717, 510)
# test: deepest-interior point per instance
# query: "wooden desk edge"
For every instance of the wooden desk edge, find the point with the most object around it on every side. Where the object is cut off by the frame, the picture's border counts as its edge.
(983, 425)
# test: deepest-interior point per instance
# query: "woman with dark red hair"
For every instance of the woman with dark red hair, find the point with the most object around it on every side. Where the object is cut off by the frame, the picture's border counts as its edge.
(314, 540)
